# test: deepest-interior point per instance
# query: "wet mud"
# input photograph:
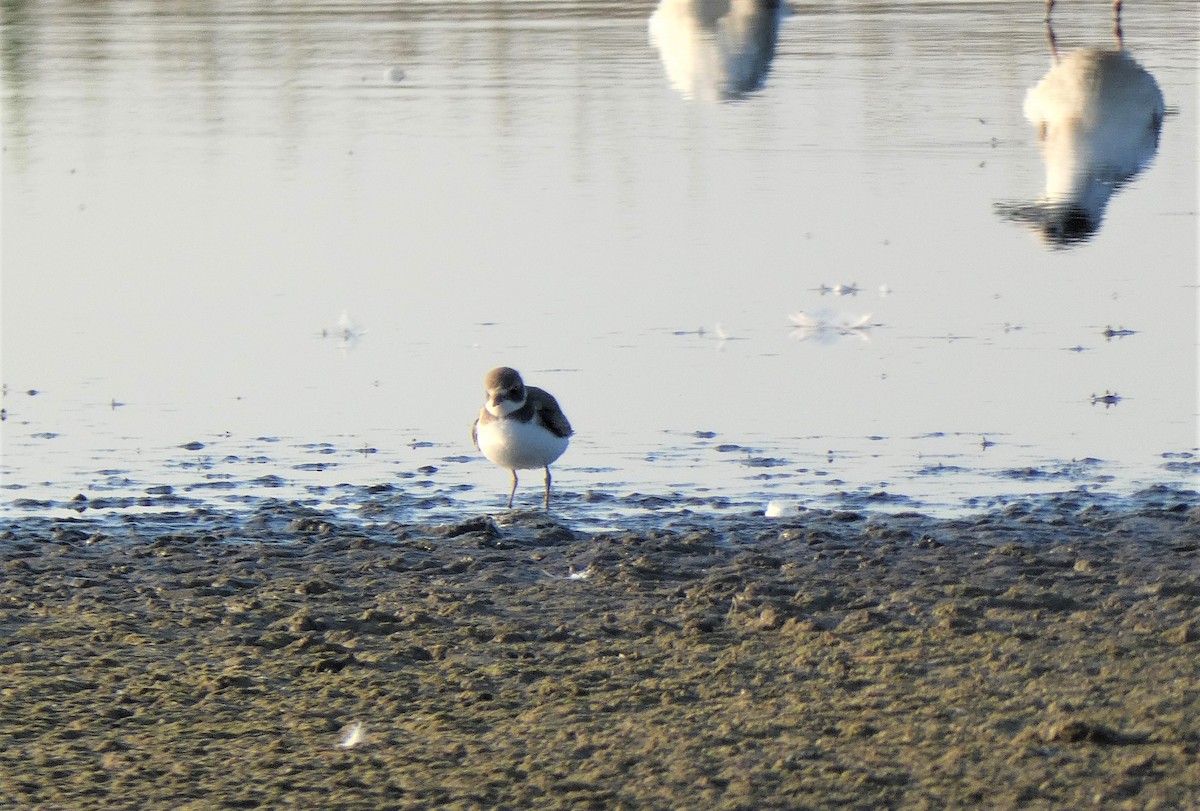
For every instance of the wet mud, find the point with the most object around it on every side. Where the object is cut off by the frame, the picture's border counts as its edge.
(1042, 656)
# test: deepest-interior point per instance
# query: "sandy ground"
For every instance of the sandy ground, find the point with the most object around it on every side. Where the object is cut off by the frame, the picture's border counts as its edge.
(1045, 656)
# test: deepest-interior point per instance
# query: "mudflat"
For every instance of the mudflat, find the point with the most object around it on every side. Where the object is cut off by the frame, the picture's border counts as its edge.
(1045, 655)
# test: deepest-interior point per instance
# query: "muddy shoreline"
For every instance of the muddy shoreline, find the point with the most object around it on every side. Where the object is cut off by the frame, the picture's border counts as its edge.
(1042, 656)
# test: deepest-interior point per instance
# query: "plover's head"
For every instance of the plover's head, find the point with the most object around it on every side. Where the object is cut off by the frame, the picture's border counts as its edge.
(505, 391)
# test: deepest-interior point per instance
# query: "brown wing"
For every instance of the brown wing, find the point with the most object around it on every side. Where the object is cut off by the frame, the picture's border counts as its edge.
(547, 410)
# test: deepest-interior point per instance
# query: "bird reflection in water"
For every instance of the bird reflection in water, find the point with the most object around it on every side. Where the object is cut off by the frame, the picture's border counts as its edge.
(1098, 115)
(716, 50)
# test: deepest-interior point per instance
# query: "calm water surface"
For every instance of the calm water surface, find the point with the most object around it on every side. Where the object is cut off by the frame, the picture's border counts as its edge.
(802, 255)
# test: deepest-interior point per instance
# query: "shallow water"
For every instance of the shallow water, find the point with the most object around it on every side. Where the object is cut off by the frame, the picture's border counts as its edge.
(294, 239)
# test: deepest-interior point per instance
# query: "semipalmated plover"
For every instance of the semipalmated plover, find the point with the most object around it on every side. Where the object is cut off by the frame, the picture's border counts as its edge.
(519, 427)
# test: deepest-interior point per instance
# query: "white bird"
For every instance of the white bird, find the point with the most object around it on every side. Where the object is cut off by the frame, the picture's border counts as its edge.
(1098, 115)
(520, 427)
(717, 50)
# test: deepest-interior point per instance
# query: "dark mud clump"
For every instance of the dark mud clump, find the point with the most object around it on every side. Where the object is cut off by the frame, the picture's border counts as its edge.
(1040, 658)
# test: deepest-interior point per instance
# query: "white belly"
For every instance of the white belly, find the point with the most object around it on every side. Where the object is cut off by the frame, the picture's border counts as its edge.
(519, 445)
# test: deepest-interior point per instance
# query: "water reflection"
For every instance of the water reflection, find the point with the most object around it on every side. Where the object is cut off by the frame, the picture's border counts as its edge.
(826, 326)
(434, 166)
(716, 50)
(347, 333)
(1098, 115)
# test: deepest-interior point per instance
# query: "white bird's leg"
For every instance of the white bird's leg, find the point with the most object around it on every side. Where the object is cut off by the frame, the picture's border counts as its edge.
(1052, 42)
(1049, 8)
(1117, 25)
(513, 491)
(547, 488)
